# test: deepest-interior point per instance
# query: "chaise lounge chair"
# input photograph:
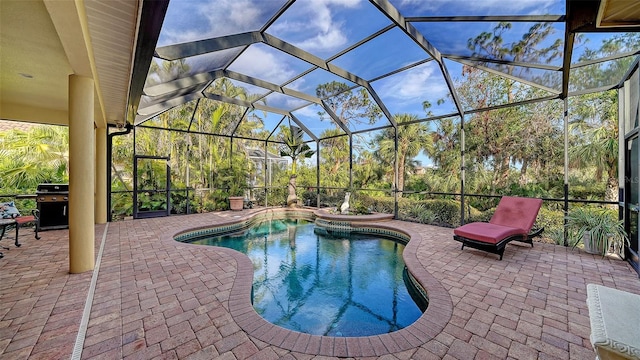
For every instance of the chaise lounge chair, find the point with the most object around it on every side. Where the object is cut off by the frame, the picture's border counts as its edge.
(512, 220)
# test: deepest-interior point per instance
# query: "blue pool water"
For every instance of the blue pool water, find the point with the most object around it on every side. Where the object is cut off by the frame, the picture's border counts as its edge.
(324, 285)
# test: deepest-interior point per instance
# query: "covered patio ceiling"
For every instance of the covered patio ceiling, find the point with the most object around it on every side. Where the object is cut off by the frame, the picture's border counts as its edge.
(399, 54)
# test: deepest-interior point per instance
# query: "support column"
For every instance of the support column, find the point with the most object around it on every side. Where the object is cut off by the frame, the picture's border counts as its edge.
(101, 176)
(81, 175)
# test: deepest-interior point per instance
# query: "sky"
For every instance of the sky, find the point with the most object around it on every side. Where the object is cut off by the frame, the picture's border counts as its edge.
(325, 28)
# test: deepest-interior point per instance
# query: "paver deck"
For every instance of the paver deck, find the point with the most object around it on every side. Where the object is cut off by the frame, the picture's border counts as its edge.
(157, 298)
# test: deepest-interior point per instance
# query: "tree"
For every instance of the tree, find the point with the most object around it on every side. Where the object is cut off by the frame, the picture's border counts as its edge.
(411, 140)
(445, 152)
(367, 170)
(595, 131)
(349, 106)
(515, 135)
(295, 148)
(334, 154)
(594, 122)
(35, 156)
(529, 48)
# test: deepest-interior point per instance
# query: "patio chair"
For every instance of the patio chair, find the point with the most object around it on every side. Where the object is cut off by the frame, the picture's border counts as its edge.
(512, 221)
(11, 217)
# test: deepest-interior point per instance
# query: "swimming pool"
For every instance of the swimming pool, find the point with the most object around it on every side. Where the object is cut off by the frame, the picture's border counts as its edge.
(316, 283)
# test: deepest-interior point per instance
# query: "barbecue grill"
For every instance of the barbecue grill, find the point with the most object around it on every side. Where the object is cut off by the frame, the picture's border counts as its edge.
(53, 204)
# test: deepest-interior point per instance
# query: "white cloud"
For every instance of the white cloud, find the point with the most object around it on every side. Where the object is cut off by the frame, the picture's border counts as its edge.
(424, 83)
(313, 25)
(310, 111)
(263, 65)
(332, 39)
(231, 16)
(196, 20)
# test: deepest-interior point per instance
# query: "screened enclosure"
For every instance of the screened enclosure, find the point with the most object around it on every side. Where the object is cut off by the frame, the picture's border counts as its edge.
(428, 110)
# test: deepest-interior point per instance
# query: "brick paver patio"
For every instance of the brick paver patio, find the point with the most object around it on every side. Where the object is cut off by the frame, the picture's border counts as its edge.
(156, 298)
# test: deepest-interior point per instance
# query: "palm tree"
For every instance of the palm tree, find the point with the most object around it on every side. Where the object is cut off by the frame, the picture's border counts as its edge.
(411, 140)
(444, 151)
(597, 129)
(366, 170)
(35, 156)
(295, 148)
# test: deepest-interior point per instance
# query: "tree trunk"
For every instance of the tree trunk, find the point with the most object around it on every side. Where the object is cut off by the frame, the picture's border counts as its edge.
(335, 168)
(292, 198)
(611, 193)
(504, 171)
(523, 172)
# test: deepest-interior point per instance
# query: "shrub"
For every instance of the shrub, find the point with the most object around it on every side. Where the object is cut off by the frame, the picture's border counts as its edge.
(447, 211)
(428, 217)
(383, 205)
(550, 219)
(474, 215)
(310, 198)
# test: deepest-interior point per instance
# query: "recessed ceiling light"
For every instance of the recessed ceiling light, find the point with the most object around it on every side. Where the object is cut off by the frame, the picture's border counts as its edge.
(25, 75)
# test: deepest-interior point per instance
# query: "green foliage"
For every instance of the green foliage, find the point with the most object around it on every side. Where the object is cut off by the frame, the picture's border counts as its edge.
(378, 204)
(276, 196)
(122, 205)
(359, 208)
(411, 141)
(39, 155)
(433, 211)
(447, 211)
(550, 219)
(350, 106)
(557, 235)
(590, 190)
(472, 215)
(179, 202)
(310, 198)
(602, 225)
(228, 181)
(294, 147)
(217, 199)
(418, 212)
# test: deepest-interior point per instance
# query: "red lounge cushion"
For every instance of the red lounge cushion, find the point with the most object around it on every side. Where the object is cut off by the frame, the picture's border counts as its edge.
(487, 232)
(516, 212)
(24, 219)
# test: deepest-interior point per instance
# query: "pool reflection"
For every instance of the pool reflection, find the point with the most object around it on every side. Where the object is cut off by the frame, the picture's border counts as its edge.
(324, 285)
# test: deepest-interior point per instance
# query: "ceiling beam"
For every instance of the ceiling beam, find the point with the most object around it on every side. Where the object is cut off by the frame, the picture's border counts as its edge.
(303, 127)
(199, 47)
(151, 19)
(335, 118)
(511, 77)
(513, 18)
(569, 39)
(166, 105)
(503, 62)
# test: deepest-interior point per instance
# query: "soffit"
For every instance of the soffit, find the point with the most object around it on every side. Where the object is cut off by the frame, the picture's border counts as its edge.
(618, 13)
(112, 26)
(50, 40)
